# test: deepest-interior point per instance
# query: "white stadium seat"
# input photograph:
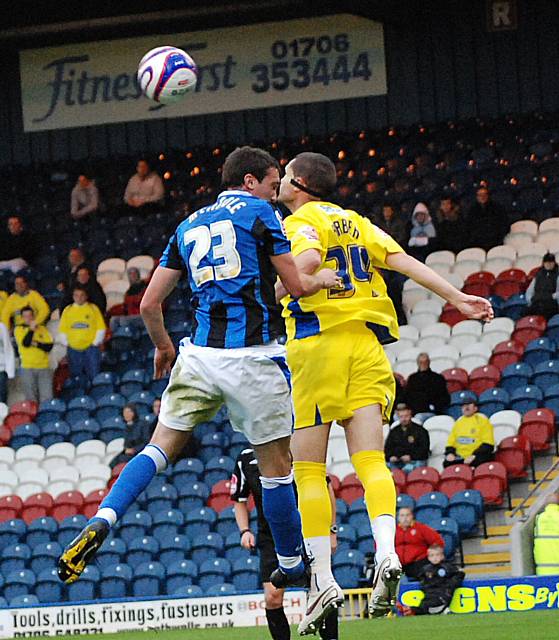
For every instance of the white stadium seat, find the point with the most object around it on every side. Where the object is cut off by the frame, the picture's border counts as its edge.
(497, 265)
(26, 489)
(20, 467)
(405, 368)
(493, 339)
(7, 454)
(64, 450)
(60, 486)
(92, 447)
(502, 431)
(550, 239)
(549, 224)
(531, 249)
(529, 227)
(436, 461)
(431, 342)
(10, 478)
(115, 446)
(90, 484)
(527, 263)
(408, 332)
(394, 349)
(517, 240)
(440, 257)
(115, 291)
(500, 325)
(438, 439)
(116, 266)
(439, 329)
(467, 267)
(428, 306)
(467, 327)
(441, 423)
(54, 462)
(144, 264)
(420, 320)
(441, 363)
(4, 410)
(341, 469)
(31, 452)
(507, 417)
(34, 475)
(475, 253)
(70, 474)
(98, 471)
(502, 251)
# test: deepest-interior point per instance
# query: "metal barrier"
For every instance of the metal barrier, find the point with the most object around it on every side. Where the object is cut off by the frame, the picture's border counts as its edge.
(355, 605)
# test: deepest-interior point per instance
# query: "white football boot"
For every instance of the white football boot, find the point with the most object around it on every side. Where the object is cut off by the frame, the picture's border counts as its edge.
(319, 604)
(385, 586)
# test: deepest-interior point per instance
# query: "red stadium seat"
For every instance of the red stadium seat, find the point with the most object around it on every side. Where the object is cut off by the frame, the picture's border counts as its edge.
(456, 379)
(479, 284)
(509, 283)
(515, 453)
(456, 478)
(421, 480)
(223, 487)
(335, 482)
(67, 504)
(29, 407)
(117, 469)
(529, 328)
(505, 353)
(482, 378)
(399, 480)
(10, 507)
(351, 488)
(92, 501)
(37, 506)
(490, 479)
(5, 436)
(538, 426)
(450, 315)
(13, 420)
(220, 497)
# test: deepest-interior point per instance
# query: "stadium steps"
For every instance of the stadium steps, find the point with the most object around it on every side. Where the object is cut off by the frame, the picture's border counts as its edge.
(486, 570)
(499, 530)
(491, 557)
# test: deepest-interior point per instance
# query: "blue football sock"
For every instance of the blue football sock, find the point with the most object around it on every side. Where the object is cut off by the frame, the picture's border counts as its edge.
(135, 477)
(280, 510)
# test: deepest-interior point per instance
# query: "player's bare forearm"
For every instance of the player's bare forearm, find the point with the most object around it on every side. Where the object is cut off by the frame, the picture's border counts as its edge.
(299, 276)
(161, 285)
(471, 306)
(242, 515)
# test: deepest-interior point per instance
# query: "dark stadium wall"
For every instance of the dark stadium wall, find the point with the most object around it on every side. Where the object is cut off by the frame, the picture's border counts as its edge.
(442, 64)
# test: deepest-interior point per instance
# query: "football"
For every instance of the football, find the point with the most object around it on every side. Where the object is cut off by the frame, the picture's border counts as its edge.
(166, 74)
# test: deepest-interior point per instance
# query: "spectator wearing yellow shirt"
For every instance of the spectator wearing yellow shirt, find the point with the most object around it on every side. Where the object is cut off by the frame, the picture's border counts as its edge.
(7, 361)
(22, 297)
(471, 440)
(34, 343)
(82, 328)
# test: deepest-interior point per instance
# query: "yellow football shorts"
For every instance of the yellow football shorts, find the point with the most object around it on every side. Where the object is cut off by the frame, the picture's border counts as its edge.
(338, 371)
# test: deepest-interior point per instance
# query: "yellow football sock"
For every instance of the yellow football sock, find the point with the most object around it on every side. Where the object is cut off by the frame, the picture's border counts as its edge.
(314, 500)
(380, 492)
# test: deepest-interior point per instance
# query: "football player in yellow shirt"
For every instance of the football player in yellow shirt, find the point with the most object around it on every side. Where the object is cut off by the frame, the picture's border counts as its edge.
(340, 371)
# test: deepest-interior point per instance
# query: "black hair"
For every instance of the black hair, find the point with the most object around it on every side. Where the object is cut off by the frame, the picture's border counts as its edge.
(132, 407)
(27, 308)
(245, 160)
(79, 287)
(318, 171)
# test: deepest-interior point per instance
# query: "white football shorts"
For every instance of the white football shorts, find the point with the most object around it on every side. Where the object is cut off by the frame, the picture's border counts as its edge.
(253, 382)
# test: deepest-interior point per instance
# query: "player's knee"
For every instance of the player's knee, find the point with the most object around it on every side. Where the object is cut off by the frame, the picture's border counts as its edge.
(273, 598)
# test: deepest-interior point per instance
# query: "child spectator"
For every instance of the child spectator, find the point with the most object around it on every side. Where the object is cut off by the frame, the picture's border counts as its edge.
(136, 436)
(85, 198)
(413, 540)
(422, 232)
(23, 297)
(407, 444)
(471, 440)
(34, 344)
(439, 580)
(82, 328)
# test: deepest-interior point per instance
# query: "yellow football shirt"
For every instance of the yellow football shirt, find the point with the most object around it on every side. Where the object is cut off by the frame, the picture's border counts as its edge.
(11, 310)
(355, 248)
(469, 433)
(80, 324)
(32, 357)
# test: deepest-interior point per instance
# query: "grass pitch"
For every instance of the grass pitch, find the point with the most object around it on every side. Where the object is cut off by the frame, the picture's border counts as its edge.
(531, 625)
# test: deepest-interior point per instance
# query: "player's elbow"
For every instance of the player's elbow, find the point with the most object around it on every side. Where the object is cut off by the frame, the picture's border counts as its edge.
(148, 306)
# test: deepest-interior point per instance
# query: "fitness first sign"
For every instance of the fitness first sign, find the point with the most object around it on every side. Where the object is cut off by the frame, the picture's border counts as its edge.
(144, 615)
(262, 65)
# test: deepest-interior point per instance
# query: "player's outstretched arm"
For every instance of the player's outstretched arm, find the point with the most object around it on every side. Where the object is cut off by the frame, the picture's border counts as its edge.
(163, 281)
(298, 274)
(473, 307)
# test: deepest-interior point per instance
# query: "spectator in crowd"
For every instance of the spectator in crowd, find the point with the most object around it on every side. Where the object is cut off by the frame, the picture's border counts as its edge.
(439, 580)
(394, 287)
(407, 444)
(451, 231)
(155, 409)
(76, 259)
(136, 435)
(393, 224)
(426, 390)
(82, 329)
(487, 222)
(34, 344)
(144, 192)
(543, 292)
(546, 538)
(3, 298)
(95, 294)
(471, 440)
(422, 233)
(413, 540)
(135, 291)
(7, 361)
(84, 200)
(24, 296)
(18, 247)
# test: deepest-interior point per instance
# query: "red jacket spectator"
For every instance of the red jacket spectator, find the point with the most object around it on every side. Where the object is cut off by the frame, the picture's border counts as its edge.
(413, 540)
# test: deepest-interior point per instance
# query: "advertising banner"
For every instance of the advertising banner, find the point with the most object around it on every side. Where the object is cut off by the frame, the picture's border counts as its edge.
(249, 67)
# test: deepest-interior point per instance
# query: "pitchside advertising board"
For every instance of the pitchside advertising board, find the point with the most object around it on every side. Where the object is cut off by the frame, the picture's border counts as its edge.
(262, 65)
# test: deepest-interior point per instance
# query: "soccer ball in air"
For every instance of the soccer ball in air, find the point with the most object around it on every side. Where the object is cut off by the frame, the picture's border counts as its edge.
(166, 74)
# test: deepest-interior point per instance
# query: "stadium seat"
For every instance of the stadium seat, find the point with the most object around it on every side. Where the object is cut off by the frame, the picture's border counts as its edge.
(41, 530)
(91, 502)
(546, 374)
(490, 479)
(466, 508)
(80, 408)
(493, 400)
(33, 453)
(191, 494)
(510, 282)
(399, 480)
(431, 506)
(457, 399)
(539, 350)
(538, 427)
(14, 557)
(134, 524)
(10, 507)
(529, 328)
(515, 306)
(226, 522)
(36, 506)
(245, 574)
(160, 498)
(213, 572)
(347, 565)
(112, 552)
(456, 379)
(109, 406)
(172, 549)
(421, 480)
(455, 478)
(142, 549)
(483, 378)
(115, 581)
(523, 399)
(351, 487)
(448, 528)
(199, 521)
(148, 579)
(187, 469)
(516, 375)
(224, 589)
(44, 556)
(180, 575)
(70, 527)
(206, 545)
(18, 583)
(515, 453)
(86, 587)
(166, 524)
(67, 504)
(49, 588)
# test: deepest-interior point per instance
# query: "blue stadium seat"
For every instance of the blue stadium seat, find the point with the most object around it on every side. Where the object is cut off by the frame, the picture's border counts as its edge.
(12, 532)
(69, 528)
(347, 565)
(448, 528)
(143, 398)
(19, 583)
(28, 600)
(431, 506)
(218, 468)
(109, 406)
(115, 581)
(158, 386)
(403, 500)
(539, 350)
(112, 552)
(41, 530)
(493, 400)
(208, 545)
(347, 536)
(124, 338)
(187, 469)
(83, 430)
(180, 575)
(24, 434)
(552, 330)
(213, 444)
(142, 549)
(191, 495)
(14, 557)
(103, 384)
(365, 541)
(514, 307)
(160, 498)
(551, 398)
(224, 589)
(80, 408)
(112, 428)
(49, 588)
(466, 508)
(245, 574)
(523, 399)
(516, 375)
(212, 572)
(357, 513)
(457, 399)
(199, 521)
(173, 549)
(52, 432)
(132, 382)
(44, 556)
(187, 591)
(341, 509)
(148, 579)
(546, 374)
(226, 522)
(134, 524)
(50, 410)
(166, 523)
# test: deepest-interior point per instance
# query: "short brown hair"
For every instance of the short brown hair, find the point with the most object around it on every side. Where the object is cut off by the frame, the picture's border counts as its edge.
(245, 160)
(436, 547)
(318, 171)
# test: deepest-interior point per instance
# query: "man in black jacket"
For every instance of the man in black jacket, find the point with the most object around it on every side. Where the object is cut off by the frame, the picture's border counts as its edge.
(407, 444)
(426, 390)
(542, 293)
(487, 222)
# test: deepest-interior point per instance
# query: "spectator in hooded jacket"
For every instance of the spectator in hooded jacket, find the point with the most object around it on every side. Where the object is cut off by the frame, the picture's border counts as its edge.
(393, 224)
(543, 292)
(413, 540)
(487, 222)
(407, 444)
(422, 233)
(426, 390)
(450, 226)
